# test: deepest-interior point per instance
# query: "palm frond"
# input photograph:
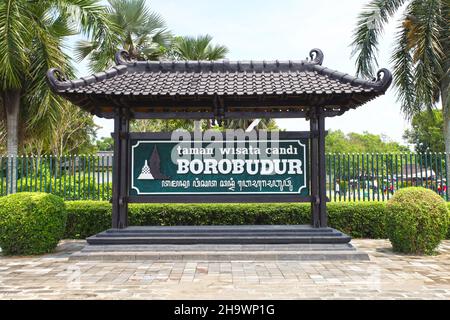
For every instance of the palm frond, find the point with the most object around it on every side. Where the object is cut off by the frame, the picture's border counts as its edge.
(141, 32)
(93, 21)
(427, 49)
(38, 97)
(404, 72)
(83, 49)
(15, 33)
(199, 48)
(370, 26)
(217, 52)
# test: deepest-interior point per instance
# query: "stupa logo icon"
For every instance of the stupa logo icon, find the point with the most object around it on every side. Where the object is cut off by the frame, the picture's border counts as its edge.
(146, 173)
(152, 171)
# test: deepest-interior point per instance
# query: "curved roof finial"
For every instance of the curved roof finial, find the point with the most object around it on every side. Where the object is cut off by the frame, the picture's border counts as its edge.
(384, 78)
(122, 57)
(58, 79)
(316, 56)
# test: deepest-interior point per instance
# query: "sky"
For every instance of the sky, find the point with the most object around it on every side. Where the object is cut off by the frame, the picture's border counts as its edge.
(287, 29)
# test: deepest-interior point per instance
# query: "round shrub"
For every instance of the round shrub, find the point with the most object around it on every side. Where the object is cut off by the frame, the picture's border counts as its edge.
(416, 220)
(31, 223)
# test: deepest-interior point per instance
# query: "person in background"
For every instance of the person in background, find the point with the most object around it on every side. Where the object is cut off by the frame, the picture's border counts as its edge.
(337, 189)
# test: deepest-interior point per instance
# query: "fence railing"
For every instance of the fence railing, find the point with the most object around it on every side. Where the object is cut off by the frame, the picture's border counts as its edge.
(71, 177)
(350, 177)
(376, 176)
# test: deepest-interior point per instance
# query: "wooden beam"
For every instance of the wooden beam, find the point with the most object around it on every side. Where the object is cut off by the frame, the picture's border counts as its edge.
(173, 115)
(167, 135)
(116, 168)
(257, 115)
(322, 172)
(124, 172)
(314, 170)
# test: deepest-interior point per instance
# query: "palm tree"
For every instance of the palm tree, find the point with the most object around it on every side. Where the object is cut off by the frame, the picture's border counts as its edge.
(31, 37)
(198, 48)
(144, 35)
(420, 58)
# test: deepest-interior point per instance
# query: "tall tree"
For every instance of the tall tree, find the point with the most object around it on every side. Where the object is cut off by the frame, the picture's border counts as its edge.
(186, 48)
(426, 132)
(159, 125)
(75, 133)
(31, 38)
(105, 144)
(420, 58)
(144, 35)
(337, 141)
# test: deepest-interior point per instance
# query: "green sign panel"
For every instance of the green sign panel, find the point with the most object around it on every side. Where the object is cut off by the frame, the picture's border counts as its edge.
(164, 167)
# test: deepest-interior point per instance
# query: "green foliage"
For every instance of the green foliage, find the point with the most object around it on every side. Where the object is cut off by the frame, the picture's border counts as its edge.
(337, 141)
(426, 132)
(105, 144)
(421, 54)
(159, 125)
(72, 133)
(75, 189)
(198, 48)
(70, 185)
(264, 124)
(358, 219)
(86, 218)
(142, 33)
(32, 35)
(219, 214)
(31, 223)
(416, 220)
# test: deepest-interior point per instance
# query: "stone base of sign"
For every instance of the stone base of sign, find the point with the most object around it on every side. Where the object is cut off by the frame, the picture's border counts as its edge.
(220, 243)
(247, 234)
(167, 253)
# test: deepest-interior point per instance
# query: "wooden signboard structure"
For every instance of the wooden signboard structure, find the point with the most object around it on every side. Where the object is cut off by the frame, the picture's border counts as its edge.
(220, 91)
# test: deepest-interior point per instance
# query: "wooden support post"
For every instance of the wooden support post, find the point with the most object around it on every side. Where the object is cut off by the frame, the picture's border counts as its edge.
(116, 169)
(314, 171)
(323, 217)
(124, 166)
(120, 171)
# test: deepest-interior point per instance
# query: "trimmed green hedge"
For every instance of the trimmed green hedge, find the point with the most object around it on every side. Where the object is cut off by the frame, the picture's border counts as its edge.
(31, 223)
(86, 218)
(358, 219)
(416, 220)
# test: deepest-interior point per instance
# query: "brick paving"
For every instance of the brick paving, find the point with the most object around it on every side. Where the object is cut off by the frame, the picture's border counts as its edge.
(385, 276)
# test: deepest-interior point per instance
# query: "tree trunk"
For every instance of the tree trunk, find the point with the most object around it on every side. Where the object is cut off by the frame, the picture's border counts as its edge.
(445, 84)
(197, 125)
(11, 100)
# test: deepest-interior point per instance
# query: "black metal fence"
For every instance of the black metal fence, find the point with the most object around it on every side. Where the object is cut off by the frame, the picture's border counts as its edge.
(376, 176)
(350, 177)
(74, 177)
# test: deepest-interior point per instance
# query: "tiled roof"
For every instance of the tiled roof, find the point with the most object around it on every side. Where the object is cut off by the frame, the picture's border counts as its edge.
(218, 78)
(144, 80)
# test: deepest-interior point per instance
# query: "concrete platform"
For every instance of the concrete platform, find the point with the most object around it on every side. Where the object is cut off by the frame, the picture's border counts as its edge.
(261, 234)
(220, 243)
(164, 253)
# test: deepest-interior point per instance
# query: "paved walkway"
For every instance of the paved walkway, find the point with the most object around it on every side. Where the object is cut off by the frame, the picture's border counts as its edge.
(386, 276)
